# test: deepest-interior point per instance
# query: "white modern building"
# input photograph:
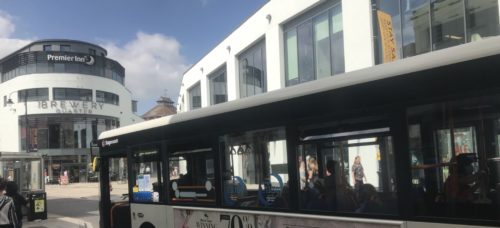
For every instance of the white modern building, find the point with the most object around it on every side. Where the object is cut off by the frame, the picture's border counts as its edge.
(57, 96)
(289, 42)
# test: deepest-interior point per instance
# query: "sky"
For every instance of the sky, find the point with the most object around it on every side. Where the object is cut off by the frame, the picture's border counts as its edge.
(155, 40)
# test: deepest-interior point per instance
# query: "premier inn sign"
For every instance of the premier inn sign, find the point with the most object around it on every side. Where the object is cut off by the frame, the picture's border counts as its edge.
(71, 107)
(87, 59)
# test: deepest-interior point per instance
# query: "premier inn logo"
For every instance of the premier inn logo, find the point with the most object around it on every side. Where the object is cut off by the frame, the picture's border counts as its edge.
(87, 59)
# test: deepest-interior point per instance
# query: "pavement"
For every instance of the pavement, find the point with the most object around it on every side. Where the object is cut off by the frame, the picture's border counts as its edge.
(73, 205)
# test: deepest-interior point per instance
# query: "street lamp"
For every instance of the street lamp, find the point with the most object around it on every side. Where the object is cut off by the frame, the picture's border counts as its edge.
(10, 103)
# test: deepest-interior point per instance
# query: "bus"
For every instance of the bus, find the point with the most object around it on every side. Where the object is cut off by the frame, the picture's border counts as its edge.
(411, 143)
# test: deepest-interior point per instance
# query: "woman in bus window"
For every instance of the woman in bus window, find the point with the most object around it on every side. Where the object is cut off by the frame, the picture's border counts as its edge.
(358, 173)
(312, 170)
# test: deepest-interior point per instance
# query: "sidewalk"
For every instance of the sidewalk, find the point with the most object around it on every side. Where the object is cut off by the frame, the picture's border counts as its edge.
(55, 221)
(72, 191)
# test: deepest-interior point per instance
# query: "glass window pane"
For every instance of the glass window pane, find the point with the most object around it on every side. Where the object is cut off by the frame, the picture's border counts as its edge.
(305, 52)
(256, 173)
(447, 23)
(322, 45)
(337, 38)
(147, 171)
(416, 31)
(258, 70)
(195, 97)
(192, 176)
(47, 47)
(253, 70)
(482, 19)
(354, 174)
(218, 86)
(455, 166)
(291, 57)
(117, 177)
(65, 48)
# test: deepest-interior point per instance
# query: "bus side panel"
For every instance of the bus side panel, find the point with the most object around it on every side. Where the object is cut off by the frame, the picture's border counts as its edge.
(154, 214)
(410, 224)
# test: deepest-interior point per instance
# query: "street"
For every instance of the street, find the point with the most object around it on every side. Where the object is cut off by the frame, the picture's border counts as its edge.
(72, 205)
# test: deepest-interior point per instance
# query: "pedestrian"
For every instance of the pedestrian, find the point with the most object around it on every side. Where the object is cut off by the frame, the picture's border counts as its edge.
(12, 190)
(8, 217)
(358, 173)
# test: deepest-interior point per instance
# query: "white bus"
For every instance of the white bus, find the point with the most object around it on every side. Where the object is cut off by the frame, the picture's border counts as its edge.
(412, 143)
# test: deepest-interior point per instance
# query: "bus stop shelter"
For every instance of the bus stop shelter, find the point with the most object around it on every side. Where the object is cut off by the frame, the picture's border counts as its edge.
(24, 169)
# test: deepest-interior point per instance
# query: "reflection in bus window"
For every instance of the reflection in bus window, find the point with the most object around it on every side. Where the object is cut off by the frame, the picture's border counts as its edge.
(454, 158)
(118, 178)
(192, 178)
(256, 173)
(350, 172)
(147, 171)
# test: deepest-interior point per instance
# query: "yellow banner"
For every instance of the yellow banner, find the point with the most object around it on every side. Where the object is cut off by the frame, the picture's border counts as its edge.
(387, 38)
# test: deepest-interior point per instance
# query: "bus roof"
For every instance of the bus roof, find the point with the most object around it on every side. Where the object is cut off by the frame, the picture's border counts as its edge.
(486, 47)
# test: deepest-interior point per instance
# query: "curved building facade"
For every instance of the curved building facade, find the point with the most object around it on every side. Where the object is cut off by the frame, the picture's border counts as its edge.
(57, 97)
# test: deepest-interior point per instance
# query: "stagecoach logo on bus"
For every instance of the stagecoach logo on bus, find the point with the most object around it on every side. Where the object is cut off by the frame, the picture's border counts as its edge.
(71, 107)
(87, 59)
(109, 142)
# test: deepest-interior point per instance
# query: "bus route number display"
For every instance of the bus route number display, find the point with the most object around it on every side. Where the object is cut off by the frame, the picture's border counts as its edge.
(204, 219)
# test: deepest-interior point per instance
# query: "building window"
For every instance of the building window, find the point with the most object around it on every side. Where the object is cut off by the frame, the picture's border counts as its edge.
(65, 48)
(252, 64)
(407, 28)
(47, 47)
(195, 96)
(38, 94)
(55, 131)
(134, 106)
(314, 47)
(218, 86)
(105, 97)
(91, 51)
(72, 94)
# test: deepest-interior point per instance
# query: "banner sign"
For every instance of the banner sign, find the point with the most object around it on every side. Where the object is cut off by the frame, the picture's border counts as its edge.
(87, 59)
(387, 38)
(210, 219)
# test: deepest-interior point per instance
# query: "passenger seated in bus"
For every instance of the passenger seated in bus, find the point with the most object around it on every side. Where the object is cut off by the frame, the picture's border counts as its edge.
(315, 197)
(282, 200)
(344, 196)
(369, 200)
(462, 182)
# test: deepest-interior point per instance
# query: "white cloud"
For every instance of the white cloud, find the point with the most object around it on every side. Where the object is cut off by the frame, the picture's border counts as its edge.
(7, 27)
(153, 64)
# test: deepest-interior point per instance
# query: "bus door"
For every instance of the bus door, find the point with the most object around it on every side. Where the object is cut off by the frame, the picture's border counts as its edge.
(115, 208)
(356, 159)
(147, 186)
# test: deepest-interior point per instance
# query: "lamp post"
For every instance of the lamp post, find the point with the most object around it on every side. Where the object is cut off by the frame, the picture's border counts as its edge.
(10, 103)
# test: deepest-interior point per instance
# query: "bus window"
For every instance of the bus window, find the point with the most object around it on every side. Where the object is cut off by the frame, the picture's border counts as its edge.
(192, 177)
(147, 176)
(454, 158)
(256, 173)
(118, 178)
(347, 171)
